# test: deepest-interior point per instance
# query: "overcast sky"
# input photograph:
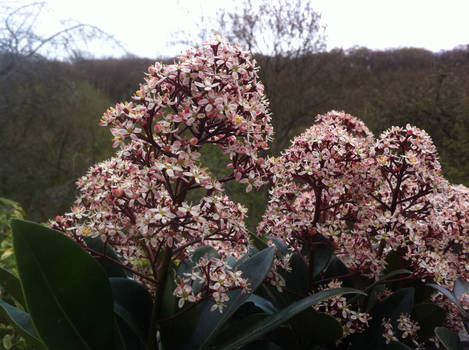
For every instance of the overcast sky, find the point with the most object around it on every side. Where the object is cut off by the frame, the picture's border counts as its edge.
(147, 27)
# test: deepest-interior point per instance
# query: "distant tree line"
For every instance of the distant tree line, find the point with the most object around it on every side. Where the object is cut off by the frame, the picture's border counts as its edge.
(49, 112)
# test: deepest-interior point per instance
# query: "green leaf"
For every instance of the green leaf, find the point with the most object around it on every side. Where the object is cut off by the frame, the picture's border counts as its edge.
(428, 317)
(125, 339)
(461, 287)
(322, 256)
(12, 285)
(283, 336)
(181, 325)
(254, 270)
(274, 321)
(400, 302)
(282, 248)
(186, 267)
(234, 329)
(451, 297)
(313, 327)
(395, 345)
(197, 326)
(372, 298)
(7, 341)
(262, 303)
(111, 268)
(378, 287)
(296, 278)
(448, 338)
(394, 260)
(206, 251)
(388, 276)
(336, 268)
(170, 302)
(133, 305)
(66, 291)
(257, 241)
(21, 322)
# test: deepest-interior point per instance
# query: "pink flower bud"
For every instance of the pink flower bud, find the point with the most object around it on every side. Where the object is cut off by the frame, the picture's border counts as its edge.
(117, 192)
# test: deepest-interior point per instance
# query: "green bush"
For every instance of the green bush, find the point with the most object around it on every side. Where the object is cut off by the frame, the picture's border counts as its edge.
(8, 210)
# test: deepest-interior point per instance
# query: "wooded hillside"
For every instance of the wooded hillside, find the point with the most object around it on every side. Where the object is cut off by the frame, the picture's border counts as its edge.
(49, 112)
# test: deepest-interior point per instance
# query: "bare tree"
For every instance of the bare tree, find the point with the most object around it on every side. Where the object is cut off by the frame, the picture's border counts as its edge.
(19, 39)
(288, 28)
(286, 37)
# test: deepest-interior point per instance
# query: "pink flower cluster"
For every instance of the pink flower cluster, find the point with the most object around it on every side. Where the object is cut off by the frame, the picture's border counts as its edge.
(138, 202)
(406, 331)
(352, 321)
(210, 277)
(155, 203)
(369, 199)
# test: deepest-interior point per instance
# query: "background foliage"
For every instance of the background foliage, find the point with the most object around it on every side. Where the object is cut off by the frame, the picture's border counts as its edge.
(49, 112)
(8, 210)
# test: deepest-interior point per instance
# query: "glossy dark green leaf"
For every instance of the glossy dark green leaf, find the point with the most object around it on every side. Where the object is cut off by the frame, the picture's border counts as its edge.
(448, 338)
(125, 338)
(322, 256)
(400, 302)
(170, 302)
(394, 261)
(133, 305)
(204, 251)
(451, 297)
(373, 297)
(388, 276)
(263, 345)
(428, 317)
(395, 345)
(254, 270)
(314, 327)
(461, 287)
(21, 322)
(336, 268)
(186, 267)
(274, 321)
(182, 325)
(262, 303)
(12, 285)
(199, 325)
(257, 241)
(296, 279)
(282, 248)
(233, 329)
(109, 264)
(378, 287)
(283, 336)
(66, 291)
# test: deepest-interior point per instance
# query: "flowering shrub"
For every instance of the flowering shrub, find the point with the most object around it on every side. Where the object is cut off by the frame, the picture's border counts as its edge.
(136, 202)
(345, 211)
(377, 203)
